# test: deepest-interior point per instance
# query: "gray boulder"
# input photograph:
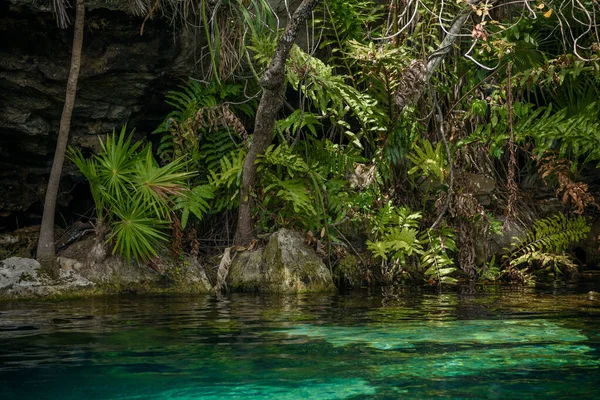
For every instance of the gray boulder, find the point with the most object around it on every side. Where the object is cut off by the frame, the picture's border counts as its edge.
(285, 265)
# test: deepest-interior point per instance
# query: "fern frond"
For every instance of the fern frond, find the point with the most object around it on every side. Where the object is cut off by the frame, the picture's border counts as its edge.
(545, 244)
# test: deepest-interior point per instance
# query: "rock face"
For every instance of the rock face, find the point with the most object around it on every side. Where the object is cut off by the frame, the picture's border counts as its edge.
(285, 265)
(123, 79)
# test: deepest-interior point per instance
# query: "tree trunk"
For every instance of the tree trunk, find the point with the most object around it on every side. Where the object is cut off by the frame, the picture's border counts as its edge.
(273, 83)
(45, 250)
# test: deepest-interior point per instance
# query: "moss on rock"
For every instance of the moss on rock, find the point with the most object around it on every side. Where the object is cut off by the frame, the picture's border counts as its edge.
(285, 265)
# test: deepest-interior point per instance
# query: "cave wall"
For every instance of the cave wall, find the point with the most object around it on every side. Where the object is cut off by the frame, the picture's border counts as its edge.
(123, 79)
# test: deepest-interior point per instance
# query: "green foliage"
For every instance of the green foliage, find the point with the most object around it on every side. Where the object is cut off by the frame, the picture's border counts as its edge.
(546, 242)
(436, 261)
(347, 20)
(227, 179)
(184, 130)
(395, 231)
(297, 121)
(397, 238)
(574, 137)
(196, 202)
(158, 186)
(204, 129)
(429, 162)
(133, 194)
(332, 96)
(348, 146)
(136, 230)
(291, 187)
(331, 159)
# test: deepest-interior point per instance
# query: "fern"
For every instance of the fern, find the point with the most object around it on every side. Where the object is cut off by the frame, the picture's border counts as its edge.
(282, 156)
(296, 121)
(201, 127)
(553, 234)
(226, 180)
(396, 238)
(295, 192)
(436, 261)
(332, 96)
(546, 242)
(573, 136)
(292, 187)
(215, 146)
(382, 219)
(196, 202)
(332, 159)
(428, 162)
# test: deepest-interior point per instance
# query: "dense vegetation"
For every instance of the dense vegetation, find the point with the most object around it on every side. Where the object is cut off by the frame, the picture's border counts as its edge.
(412, 133)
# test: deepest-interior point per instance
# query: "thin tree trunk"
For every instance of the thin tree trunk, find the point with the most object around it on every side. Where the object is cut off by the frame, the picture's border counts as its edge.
(273, 83)
(45, 250)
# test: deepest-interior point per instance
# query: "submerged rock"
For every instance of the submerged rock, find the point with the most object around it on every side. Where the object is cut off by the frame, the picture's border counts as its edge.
(285, 265)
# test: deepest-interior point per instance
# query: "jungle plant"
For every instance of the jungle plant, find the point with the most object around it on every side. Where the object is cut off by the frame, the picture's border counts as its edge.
(291, 187)
(332, 97)
(202, 126)
(134, 196)
(226, 180)
(435, 260)
(544, 247)
(395, 231)
(429, 162)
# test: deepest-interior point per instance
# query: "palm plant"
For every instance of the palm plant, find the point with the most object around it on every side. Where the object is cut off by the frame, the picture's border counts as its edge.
(134, 196)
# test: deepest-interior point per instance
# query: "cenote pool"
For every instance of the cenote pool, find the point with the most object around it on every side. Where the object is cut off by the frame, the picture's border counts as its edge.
(495, 343)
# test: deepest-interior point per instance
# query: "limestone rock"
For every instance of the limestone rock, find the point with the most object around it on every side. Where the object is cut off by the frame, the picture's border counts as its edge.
(112, 274)
(23, 277)
(285, 265)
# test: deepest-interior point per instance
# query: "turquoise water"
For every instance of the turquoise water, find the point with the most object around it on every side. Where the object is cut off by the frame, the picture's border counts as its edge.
(497, 343)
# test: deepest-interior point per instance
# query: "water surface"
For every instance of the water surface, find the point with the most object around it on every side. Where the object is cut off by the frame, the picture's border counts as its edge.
(495, 343)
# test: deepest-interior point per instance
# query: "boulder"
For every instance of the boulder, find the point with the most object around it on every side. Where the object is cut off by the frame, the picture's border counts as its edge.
(480, 186)
(285, 265)
(499, 244)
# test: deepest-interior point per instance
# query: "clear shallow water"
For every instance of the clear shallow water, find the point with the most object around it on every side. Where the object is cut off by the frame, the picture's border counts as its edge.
(501, 343)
